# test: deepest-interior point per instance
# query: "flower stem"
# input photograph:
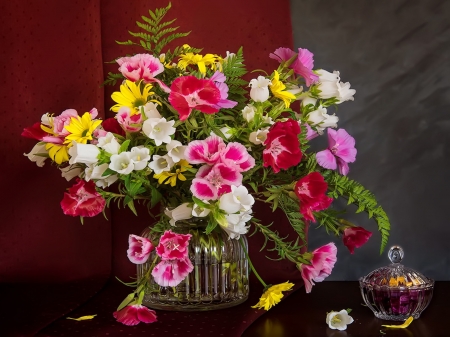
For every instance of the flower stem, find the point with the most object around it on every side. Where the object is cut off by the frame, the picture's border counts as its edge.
(251, 264)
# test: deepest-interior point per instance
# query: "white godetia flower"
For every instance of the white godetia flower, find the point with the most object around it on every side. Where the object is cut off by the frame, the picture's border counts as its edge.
(70, 172)
(237, 200)
(259, 137)
(161, 163)
(199, 211)
(259, 91)
(175, 150)
(181, 212)
(237, 224)
(322, 120)
(150, 110)
(109, 143)
(338, 320)
(37, 149)
(159, 130)
(122, 163)
(249, 113)
(330, 86)
(83, 153)
(140, 156)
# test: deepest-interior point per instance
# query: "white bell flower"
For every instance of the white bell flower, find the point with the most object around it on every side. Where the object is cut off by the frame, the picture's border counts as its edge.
(267, 120)
(38, 148)
(249, 113)
(338, 320)
(83, 153)
(258, 137)
(93, 171)
(122, 163)
(150, 110)
(70, 172)
(159, 130)
(161, 163)
(140, 156)
(345, 93)
(330, 86)
(175, 150)
(229, 56)
(260, 89)
(237, 224)
(306, 100)
(237, 200)
(322, 120)
(199, 211)
(108, 181)
(181, 212)
(109, 143)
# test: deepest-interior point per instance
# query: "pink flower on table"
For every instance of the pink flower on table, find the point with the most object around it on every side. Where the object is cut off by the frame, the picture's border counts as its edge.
(139, 249)
(219, 80)
(188, 93)
(282, 146)
(83, 200)
(130, 122)
(173, 246)
(134, 314)
(205, 151)
(341, 151)
(355, 237)
(311, 191)
(211, 182)
(169, 273)
(302, 65)
(322, 262)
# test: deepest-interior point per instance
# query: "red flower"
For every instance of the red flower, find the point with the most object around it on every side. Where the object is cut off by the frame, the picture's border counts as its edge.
(112, 125)
(282, 146)
(134, 314)
(189, 92)
(311, 192)
(82, 200)
(355, 237)
(34, 132)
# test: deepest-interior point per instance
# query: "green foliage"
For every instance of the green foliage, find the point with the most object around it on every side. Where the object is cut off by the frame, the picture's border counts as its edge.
(355, 193)
(292, 210)
(113, 78)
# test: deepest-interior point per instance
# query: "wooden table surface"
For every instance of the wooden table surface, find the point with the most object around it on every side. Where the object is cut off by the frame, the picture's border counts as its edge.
(304, 315)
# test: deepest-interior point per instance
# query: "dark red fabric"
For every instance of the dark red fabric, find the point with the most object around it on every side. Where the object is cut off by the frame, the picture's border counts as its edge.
(53, 55)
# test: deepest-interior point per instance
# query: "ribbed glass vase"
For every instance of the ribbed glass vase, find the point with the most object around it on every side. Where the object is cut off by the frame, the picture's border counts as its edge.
(219, 278)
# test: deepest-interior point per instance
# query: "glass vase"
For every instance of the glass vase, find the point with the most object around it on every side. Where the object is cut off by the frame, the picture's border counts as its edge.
(219, 278)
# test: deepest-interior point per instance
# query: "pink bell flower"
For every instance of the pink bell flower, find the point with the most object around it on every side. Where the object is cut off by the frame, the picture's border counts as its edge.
(134, 314)
(139, 249)
(341, 151)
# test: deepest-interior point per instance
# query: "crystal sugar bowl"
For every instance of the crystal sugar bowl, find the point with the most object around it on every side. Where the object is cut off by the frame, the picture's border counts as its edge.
(396, 292)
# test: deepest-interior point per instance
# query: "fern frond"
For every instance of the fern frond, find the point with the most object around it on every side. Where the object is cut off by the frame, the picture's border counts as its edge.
(292, 210)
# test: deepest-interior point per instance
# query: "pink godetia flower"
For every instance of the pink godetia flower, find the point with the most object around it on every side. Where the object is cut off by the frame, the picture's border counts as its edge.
(302, 65)
(169, 273)
(311, 191)
(355, 237)
(341, 151)
(321, 264)
(282, 146)
(129, 122)
(204, 151)
(188, 93)
(134, 314)
(173, 246)
(139, 249)
(219, 80)
(142, 67)
(211, 182)
(83, 200)
(236, 155)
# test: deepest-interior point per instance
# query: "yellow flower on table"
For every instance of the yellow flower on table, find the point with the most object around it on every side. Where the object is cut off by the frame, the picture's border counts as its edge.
(273, 295)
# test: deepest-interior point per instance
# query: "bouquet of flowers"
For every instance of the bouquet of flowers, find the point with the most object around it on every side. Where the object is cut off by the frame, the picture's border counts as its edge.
(190, 134)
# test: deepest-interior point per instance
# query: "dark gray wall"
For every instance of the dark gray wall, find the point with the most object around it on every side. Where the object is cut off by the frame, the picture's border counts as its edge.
(396, 54)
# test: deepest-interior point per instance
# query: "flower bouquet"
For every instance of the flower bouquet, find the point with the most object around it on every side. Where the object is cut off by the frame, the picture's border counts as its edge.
(192, 136)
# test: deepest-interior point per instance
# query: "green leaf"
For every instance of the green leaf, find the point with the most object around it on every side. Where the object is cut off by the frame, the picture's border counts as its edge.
(126, 301)
(130, 204)
(124, 146)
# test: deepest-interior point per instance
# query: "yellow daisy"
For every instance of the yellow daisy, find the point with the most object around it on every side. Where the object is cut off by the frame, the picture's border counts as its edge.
(211, 60)
(81, 129)
(172, 177)
(278, 88)
(132, 95)
(273, 295)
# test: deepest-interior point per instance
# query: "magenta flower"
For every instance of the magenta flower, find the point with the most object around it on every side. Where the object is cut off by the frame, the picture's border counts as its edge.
(188, 93)
(169, 273)
(236, 155)
(322, 263)
(129, 122)
(341, 151)
(134, 314)
(211, 182)
(140, 67)
(205, 151)
(302, 65)
(355, 237)
(139, 249)
(83, 200)
(219, 80)
(173, 246)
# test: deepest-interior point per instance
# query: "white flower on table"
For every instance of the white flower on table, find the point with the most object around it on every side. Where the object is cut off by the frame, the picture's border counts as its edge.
(339, 320)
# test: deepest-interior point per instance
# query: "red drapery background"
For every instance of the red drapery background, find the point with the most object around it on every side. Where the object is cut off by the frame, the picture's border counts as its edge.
(54, 55)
